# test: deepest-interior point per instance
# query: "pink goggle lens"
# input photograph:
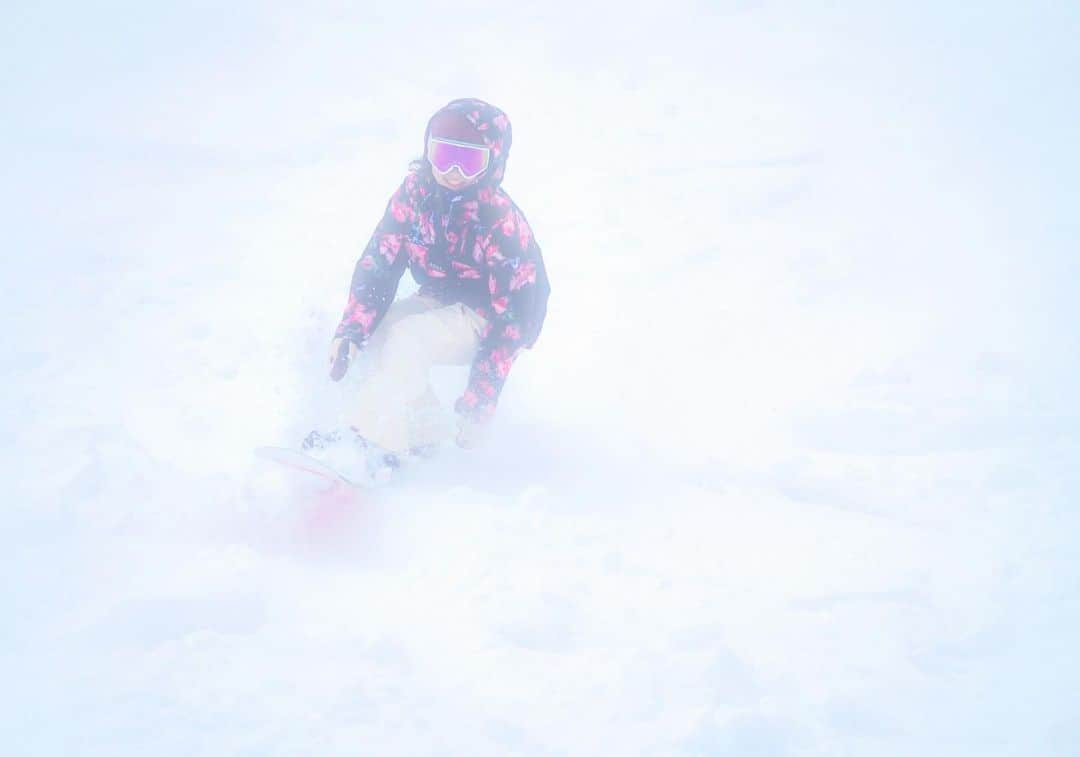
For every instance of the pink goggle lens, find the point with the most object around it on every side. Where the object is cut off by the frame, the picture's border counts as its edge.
(470, 159)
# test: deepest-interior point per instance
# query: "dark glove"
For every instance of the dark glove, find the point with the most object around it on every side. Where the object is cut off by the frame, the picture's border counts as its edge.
(342, 350)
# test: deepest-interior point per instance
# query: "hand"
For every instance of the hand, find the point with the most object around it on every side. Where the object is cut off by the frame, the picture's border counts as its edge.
(342, 351)
(473, 430)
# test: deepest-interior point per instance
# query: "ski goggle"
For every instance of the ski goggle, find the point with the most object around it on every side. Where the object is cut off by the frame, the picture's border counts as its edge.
(471, 160)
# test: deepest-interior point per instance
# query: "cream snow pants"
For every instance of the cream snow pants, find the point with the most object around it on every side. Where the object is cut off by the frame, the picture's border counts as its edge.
(397, 408)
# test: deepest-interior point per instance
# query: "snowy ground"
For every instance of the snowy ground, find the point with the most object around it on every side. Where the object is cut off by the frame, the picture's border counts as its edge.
(801, 439)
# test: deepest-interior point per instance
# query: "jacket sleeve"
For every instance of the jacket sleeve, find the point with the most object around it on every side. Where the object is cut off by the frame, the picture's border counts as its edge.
(518, 284)
(378, 271)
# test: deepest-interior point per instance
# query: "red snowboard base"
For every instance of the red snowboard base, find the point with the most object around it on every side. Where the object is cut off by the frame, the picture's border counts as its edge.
(332, 500)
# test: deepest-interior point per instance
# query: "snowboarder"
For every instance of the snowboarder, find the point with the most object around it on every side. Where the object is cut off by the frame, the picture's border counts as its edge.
(482, 298)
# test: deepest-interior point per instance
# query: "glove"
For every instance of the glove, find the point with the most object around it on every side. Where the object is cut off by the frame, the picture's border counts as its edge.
(473, 430)
(342, 351)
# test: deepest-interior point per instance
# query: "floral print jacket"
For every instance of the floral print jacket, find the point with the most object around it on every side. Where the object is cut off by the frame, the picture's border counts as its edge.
(471, 246)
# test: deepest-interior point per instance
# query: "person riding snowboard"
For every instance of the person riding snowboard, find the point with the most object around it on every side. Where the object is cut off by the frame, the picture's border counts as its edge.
(482, 298)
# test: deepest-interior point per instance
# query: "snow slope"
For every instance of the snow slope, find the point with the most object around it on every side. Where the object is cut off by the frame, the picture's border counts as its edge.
(801, 434)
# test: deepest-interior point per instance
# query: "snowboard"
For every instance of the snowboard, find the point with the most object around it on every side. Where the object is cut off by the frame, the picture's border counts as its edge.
(297, 460)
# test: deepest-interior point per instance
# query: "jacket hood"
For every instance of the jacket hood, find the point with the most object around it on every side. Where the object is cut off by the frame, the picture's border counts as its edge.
(493, 127)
